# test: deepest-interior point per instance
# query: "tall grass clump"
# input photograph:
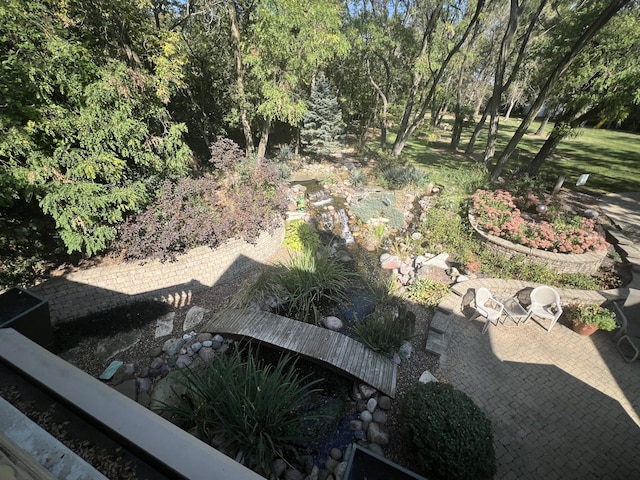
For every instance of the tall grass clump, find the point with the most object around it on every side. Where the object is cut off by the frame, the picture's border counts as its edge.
(300, 236)
(254, 410)
(382, 333)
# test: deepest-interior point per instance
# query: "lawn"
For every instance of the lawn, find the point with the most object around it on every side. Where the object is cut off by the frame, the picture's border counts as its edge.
(611, 158)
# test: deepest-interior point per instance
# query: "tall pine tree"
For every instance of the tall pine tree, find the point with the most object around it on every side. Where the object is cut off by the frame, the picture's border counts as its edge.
(322, 123)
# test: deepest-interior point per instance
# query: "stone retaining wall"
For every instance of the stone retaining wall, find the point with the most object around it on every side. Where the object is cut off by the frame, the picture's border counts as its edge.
(587, 263)
(83, 292)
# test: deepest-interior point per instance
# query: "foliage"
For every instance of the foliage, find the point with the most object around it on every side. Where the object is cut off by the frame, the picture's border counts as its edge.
(308, 285)
(427, 292)
(600, 317)
(376, 206)
(244, 199)
(88, 137)
(322, 124)
(452, 436)
(357, 177)
(300, 236)
(397, 177)
(497, 214)
(382, 333)
(258, 409)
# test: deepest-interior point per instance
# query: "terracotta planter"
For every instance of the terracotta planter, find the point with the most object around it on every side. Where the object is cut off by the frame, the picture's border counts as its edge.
(583, 328)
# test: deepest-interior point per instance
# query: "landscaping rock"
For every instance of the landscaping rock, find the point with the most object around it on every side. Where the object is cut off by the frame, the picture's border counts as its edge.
(427, 377)
(164, 325)
(366, 416)
(380, 417)
(335, 453)
(206, 354)
(333, 323)
(183, 361)
(372, 403)
(376, 433)
(203, 337)
(367, 391)
(439, 261)
(173, 346)
(384, 402)
(390, 262)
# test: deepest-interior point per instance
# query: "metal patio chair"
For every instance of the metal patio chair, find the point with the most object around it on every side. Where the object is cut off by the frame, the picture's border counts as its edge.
(628, 317)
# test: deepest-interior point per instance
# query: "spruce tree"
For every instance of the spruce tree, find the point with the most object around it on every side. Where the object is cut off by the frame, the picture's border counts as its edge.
(322, 124)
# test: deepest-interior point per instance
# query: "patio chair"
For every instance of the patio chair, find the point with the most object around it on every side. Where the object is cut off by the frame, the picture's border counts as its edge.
(629, 320)
(488, 307)
(545, 304)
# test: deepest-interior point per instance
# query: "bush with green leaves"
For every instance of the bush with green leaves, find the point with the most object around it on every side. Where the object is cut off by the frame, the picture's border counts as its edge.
(307, 287)
(256, 409)
(452, 436)
(427, 292)
(382, 333)
(300, 236)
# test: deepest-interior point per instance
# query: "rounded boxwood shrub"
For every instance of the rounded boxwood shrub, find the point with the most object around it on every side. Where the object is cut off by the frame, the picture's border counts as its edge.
(453, 437)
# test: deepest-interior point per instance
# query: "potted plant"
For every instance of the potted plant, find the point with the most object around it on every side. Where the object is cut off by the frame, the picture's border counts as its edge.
(587, 319)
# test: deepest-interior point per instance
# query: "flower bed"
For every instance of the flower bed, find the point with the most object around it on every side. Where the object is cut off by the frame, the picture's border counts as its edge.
(565, 245)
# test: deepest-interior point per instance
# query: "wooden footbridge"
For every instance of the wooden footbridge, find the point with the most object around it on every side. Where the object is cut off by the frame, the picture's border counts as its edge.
(317, 344)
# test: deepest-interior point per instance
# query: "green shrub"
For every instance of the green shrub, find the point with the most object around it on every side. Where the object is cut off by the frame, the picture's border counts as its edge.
(257, 410)
(358, 177)
(382, 333)
(427, 292)
(300, 236)
(452, 435)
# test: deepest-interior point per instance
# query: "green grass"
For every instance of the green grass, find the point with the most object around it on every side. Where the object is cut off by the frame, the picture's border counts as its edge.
(611, 158)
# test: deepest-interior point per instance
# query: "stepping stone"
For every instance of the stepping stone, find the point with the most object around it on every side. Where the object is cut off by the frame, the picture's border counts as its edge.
(194, 317)
(450, 304)
(112, 346)
(164, 325)
(436, 343)
(441, 322)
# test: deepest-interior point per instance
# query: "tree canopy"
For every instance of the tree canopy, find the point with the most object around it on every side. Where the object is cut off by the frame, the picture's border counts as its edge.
(103, 103)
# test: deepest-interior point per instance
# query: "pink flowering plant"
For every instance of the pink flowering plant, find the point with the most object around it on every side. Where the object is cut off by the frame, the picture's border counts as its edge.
(499, 213)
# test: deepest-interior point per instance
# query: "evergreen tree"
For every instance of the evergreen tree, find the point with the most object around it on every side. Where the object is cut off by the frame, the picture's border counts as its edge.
(322, 124)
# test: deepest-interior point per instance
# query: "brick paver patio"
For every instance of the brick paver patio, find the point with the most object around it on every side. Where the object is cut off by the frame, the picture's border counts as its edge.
(563, 406)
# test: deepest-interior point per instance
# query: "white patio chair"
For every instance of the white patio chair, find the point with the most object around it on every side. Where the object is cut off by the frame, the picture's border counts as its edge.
(545, 304)
(488, 307)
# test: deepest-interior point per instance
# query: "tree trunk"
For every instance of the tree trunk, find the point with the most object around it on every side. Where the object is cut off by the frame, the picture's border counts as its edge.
(512, 104)
(406, 130)
(494, 103)
(242, 98)
(566, 61)
(383, 117)
(543, 122)
(476, 132)
(264, 139)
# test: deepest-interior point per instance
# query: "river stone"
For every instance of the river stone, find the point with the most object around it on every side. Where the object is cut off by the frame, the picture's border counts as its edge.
(331, 464)
(333, 323)
(206, 354)
(172, 346)
(195, 347)
(390, 262)
(216, 345)
(144, 384)
(279, 467)
(384, 402)
(439, 261)
(207, 343)
(183, 361)
(335, 453)
(124, 373)
(355, 425)
(380, 417)
(367, 391)
(366, 416)
(372, 403)
(156, 363)
(218, 338)
(376, 433)
(203, 337)
(340, 470)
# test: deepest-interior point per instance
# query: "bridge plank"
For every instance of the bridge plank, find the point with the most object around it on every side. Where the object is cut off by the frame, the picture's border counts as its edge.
(315, 343)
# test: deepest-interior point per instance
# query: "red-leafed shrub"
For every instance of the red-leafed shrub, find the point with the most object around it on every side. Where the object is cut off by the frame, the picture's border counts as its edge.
(240, 199)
